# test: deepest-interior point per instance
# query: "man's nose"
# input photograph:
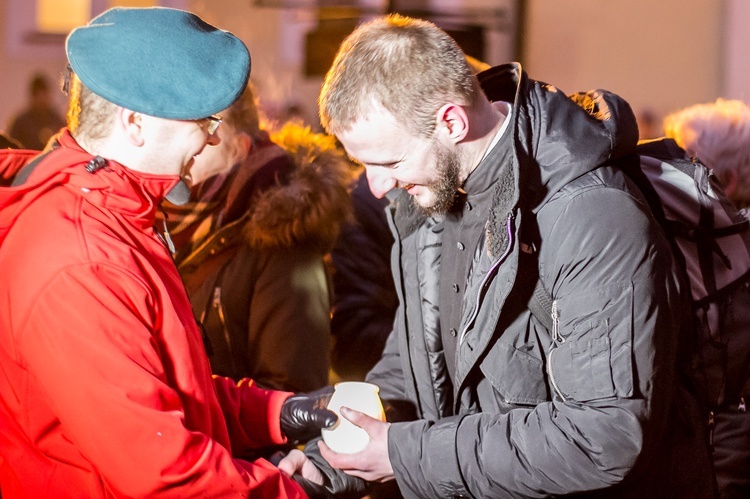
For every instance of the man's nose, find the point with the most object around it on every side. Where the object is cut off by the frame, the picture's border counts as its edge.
(380, 180)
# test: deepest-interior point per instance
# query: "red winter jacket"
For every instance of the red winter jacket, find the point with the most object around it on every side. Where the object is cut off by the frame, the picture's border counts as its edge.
(105, 388)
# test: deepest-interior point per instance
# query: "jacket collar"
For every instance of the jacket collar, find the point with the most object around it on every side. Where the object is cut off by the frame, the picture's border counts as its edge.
(112, 186)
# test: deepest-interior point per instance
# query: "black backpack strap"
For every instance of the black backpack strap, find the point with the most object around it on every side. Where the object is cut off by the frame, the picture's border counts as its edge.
(29, 167)
(731, 230)
(26, 171)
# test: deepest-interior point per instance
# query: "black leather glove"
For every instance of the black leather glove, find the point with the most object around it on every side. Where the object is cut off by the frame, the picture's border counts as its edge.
(312, 490)
(337, 484)
(303, 415)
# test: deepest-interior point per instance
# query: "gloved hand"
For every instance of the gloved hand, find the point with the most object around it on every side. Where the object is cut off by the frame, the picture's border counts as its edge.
(312, 490)
(337, 484)
(303, 415)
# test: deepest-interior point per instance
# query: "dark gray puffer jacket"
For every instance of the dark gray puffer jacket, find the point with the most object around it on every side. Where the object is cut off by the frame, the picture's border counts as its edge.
(593, 404)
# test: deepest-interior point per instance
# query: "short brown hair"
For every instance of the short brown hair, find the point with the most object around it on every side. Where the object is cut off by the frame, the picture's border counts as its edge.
(89, 116)
(244, 115)
(408, 66)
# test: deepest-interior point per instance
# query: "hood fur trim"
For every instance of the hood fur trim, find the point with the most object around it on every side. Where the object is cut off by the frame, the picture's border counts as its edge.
(310, 207)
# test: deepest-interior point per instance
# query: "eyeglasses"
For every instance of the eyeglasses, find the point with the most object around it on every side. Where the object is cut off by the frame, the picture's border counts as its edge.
(213, 123)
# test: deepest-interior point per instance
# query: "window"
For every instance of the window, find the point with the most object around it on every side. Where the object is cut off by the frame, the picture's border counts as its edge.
(54, 16)
(39, 28)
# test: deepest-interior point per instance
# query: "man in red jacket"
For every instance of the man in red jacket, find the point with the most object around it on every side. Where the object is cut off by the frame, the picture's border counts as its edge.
(105, 387)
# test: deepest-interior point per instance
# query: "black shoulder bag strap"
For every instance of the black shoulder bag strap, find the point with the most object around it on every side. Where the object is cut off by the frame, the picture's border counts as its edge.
(26, 171)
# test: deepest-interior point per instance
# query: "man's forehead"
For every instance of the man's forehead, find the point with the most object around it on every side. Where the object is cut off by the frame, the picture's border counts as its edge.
(377, 139)
(376, 121)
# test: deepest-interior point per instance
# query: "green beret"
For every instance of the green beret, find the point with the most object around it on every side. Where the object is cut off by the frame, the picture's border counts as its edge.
(158, 61)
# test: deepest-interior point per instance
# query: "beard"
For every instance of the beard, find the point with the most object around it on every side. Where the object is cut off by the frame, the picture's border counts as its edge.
(445, 185)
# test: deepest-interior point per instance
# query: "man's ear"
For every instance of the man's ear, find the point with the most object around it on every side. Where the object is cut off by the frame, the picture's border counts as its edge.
(244, 143)
(453, 117)
(131, 123)
(238, 145)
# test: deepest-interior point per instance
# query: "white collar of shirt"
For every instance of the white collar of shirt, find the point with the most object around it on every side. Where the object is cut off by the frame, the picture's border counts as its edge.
(499, 134)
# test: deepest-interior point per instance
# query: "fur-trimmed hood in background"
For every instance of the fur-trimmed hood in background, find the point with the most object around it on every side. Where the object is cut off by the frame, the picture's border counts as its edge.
(309, 196)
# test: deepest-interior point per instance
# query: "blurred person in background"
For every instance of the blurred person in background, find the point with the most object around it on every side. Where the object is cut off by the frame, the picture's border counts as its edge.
(251, 244)
(718, 134)
(34, 125)
(648, 124)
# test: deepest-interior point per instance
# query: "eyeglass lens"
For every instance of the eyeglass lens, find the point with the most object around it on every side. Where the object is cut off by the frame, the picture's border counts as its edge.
(213, 124)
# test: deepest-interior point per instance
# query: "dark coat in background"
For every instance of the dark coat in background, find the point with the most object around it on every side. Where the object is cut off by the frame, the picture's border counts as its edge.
(365, 299)
(8, 143)
(258, 280)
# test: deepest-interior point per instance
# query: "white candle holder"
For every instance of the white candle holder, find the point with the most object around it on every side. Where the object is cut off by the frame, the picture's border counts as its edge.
(344, 437)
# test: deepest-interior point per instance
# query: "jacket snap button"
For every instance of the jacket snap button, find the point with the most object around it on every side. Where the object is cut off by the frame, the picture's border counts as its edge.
(453, 332)
(460, 246)
(455, 287)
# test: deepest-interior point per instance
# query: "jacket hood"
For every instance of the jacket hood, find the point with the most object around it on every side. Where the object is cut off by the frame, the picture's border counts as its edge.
(309, 202)
(559, 138)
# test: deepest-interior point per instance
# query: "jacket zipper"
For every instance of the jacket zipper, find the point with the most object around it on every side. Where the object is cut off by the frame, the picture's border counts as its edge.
(166, 239)
(216, 303)
(485, 279)
(557, 339)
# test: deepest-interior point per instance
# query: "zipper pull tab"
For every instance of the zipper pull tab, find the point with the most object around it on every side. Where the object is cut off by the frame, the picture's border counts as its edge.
(216, 299)
(556, 324)
(742, 407)
(168, 239)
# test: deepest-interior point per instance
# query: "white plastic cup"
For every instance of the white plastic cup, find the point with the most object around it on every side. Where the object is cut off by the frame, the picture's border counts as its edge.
(344, 437)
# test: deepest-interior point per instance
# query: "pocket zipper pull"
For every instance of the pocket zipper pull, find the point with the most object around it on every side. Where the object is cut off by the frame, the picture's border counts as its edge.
(556, 324)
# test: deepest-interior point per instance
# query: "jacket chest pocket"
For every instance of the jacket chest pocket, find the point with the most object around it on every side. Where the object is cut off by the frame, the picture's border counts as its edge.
(517, 377)
(591, 358)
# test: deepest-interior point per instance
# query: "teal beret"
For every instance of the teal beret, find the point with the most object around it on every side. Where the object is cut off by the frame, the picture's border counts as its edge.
(163, 62)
